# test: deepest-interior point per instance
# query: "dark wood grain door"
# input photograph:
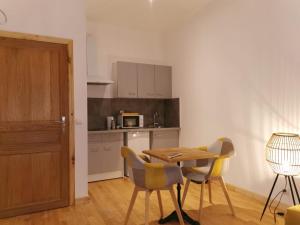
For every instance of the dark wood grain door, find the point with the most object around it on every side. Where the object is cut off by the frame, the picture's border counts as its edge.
(34, 127)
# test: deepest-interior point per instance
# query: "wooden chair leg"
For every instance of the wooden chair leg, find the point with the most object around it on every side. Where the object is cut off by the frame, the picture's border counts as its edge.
(147, 206)
(221, 180)
(201, 200)
(176, 206)
(186, 187)
(209, 192)
(160, 204)
(133, 198)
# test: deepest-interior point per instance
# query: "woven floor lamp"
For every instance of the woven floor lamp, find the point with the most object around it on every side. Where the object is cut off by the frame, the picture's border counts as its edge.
(283, 155)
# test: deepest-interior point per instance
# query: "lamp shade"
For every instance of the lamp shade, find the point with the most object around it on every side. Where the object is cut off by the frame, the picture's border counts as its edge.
(283, 153)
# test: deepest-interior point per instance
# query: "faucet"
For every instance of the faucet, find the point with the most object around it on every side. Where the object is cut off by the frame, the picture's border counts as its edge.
(156, 119)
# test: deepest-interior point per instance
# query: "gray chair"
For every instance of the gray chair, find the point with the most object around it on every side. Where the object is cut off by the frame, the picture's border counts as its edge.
(207, 171)
(151, 177)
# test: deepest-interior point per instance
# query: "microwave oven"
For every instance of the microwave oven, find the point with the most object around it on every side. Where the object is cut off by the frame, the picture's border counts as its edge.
(131, 121)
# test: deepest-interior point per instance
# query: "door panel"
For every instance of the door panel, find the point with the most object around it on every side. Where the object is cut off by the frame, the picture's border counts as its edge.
(146, 81)
(127, 80)
(34, 142)
(163, 81)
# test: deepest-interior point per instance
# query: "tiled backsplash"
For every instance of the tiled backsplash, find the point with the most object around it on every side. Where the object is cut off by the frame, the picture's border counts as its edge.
(100, 108)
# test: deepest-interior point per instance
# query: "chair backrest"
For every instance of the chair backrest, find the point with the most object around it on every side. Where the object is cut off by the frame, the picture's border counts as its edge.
(135, 166)
(222, 146)
(150, 175)
(225, 148)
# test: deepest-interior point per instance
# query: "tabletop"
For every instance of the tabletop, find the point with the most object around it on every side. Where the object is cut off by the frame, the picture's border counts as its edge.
(186, 154)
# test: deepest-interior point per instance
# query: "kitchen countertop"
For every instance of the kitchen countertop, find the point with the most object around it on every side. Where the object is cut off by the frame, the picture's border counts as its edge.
(133, 130)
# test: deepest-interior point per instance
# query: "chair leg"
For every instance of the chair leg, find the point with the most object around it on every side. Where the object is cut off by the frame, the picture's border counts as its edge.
(160, 204)
(209, 192)
(221, 180)
(147, 207)
(186, 187)
(176, 206)
(133, 198)
(201, 200)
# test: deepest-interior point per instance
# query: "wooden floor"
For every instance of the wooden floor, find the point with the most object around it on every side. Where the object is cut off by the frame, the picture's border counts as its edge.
(109, 201)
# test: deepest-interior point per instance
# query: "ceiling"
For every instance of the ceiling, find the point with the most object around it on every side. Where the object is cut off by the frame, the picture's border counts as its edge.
(159, 15)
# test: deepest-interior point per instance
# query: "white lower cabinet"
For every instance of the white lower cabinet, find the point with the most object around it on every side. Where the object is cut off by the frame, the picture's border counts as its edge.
(164, 139)
(104, 156)
(138, 141)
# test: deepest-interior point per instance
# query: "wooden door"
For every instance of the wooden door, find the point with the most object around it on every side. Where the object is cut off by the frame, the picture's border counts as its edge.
(34, 126)
(163, 81)
(146, 81)
(127, 80)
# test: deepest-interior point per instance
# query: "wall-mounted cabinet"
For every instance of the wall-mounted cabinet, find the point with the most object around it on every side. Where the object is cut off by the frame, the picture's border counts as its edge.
(146, 81)
(163, 81)
(127, 80)
(137, 80)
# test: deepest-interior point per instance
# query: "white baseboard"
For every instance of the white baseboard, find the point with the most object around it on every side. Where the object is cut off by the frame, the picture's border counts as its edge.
(105, 176)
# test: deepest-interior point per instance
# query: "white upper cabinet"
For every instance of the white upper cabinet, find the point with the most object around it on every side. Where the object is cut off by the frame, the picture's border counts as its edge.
(143, 80)
(127, 85)
(146, 81)
(163, 81)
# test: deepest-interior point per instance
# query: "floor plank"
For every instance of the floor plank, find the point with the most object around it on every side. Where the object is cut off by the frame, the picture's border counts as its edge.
(109, 201)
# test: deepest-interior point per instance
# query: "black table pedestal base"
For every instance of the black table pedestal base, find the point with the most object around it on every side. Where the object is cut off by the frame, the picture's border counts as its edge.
(173, 216)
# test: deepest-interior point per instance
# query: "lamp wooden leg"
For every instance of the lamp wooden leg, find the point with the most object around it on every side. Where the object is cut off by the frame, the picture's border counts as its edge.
(133, 198)
(221, 180)
(176, 206)
(186, 187)
(160, 204)
(201, 200)
(147, 207)
(209, 192)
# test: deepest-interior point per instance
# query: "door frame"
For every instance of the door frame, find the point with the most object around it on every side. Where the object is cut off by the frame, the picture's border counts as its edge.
(69, 44)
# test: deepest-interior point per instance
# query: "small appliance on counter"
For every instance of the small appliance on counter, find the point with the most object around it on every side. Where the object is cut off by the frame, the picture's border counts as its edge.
(110, 123)
(130, 120)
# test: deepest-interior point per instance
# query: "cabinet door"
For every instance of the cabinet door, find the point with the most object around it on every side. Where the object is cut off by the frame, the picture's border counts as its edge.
(104, 157)
(165, 139)
(146, 81)
(163, 81)
(138, 141)
(127, 79)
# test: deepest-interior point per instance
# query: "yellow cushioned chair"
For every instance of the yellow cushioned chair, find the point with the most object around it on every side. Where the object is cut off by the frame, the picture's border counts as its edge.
(205, 171)
(293, 215)
(151, 177)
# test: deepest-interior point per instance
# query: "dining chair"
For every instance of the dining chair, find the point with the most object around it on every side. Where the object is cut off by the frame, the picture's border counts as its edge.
(206, 171)
(151, 177)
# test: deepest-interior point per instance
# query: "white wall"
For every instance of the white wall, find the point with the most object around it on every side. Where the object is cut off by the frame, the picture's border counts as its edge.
(237, 71)
(108, 44)
(61, 19)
